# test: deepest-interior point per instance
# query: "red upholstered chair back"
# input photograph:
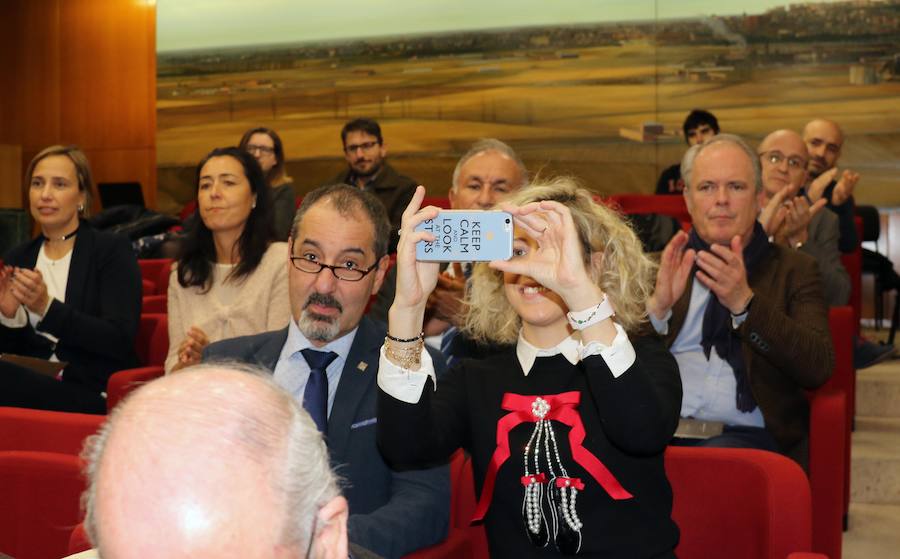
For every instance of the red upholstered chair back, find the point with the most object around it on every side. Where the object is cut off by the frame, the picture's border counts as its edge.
(670, 205)
(151, 269)
(79, 540)
(123, 382)
(41, 494)
(46, 431)
(187, 210)
(152, 343)
(155, 304)
(439, 201)
(738, 503)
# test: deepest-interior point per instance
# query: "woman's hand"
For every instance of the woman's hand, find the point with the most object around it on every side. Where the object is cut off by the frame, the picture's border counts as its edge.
(29, 289)
(191, 348)
(559, 262)
(415, 280)
(9, 304)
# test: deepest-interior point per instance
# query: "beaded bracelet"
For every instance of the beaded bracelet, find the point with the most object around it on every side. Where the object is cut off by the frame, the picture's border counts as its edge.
(421, 336)
(408, 357)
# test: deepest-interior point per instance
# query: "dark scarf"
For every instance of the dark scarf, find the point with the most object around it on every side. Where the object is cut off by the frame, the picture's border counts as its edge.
(717, 330)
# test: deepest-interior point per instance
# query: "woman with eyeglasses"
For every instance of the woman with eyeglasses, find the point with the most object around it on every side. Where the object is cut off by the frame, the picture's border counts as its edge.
(72, 295)
(566, 429)
(265, 145)
(231, 278)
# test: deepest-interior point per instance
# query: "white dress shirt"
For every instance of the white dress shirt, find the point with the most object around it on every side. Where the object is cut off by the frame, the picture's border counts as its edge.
(292, 370)
(708, 385)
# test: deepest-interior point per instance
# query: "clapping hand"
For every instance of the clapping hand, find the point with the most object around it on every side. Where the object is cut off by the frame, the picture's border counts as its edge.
(191, 348)
(445, 302)
(722, 271)
(674, 268)
(29, 289)
(9, 304)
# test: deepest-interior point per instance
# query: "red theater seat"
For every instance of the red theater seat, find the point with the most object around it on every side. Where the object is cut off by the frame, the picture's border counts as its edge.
(673, 206)
(152, 342)
(46, 431)
(738, 503)
(41, 503)
(123, 382)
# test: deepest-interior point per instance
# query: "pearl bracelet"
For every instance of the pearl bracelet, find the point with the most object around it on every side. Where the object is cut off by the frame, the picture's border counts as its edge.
(579, 320)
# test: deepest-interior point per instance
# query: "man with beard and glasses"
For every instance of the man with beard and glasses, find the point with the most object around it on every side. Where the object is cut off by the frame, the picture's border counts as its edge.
(364, 150)
(327, 358)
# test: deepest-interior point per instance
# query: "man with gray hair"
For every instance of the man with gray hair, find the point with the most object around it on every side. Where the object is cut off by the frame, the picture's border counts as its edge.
(487, 172)
(745, 319)
(214, 462)
(327, 357)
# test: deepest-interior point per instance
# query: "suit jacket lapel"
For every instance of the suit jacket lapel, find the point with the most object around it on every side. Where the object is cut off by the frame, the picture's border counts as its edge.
(356, 381)
(270, 350)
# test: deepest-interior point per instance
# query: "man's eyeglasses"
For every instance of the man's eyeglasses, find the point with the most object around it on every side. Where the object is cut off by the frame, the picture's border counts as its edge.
(340, 272)
(795, 163)
(366, 146)
(253, 148)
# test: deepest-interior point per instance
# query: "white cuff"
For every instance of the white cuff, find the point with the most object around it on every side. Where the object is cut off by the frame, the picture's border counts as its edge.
(738, 319)
(619, 356)
(403, 384)
(19, 320)
(661, 325)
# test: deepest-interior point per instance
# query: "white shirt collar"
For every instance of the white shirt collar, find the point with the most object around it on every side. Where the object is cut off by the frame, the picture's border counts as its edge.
(570, 347)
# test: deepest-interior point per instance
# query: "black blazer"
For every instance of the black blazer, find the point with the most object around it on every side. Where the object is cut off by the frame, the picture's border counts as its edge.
(97, 324)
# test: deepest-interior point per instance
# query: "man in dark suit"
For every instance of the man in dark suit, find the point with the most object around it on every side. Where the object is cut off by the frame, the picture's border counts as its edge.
(328, 358)
(745, 319)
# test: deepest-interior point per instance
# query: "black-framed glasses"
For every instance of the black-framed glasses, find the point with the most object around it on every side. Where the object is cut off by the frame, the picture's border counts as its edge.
(254, 148)
(340, 272)
(795, 162)
(365, 146)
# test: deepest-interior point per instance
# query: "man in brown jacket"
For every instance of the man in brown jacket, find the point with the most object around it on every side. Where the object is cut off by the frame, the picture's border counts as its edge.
(745, 319)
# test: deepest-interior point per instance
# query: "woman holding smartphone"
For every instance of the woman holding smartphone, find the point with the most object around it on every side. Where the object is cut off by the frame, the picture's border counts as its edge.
(566, 429)
(70, 295)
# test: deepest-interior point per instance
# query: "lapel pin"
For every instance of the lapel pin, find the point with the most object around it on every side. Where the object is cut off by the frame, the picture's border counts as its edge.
(362, 366)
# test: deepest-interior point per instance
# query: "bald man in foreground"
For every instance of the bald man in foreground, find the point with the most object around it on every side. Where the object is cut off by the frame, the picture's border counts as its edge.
(215, 462)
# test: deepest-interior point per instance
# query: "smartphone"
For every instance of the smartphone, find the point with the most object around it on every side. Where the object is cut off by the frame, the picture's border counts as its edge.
(467, 236)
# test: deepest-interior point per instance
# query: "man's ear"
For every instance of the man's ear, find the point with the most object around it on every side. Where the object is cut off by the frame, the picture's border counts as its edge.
(331, 540)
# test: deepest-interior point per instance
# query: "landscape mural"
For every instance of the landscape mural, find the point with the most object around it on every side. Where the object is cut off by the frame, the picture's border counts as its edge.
(575, 86)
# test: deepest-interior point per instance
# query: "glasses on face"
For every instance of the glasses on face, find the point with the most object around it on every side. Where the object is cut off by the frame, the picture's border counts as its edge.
(795, 163)
(365, 146)
(344, 273)
(254, 149)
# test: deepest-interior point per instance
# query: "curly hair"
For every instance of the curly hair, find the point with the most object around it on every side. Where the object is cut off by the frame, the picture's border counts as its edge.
(625, 273)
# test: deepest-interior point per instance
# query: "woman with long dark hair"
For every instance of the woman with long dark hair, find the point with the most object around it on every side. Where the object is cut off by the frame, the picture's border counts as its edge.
(265, 145)
(231, 278)
(71, 295)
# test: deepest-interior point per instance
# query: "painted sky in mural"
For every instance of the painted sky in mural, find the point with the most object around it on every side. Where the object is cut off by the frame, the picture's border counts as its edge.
(199, 24)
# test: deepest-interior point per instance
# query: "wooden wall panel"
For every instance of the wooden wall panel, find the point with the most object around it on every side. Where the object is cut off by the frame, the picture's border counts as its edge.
(10, 176)
(83, 72)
